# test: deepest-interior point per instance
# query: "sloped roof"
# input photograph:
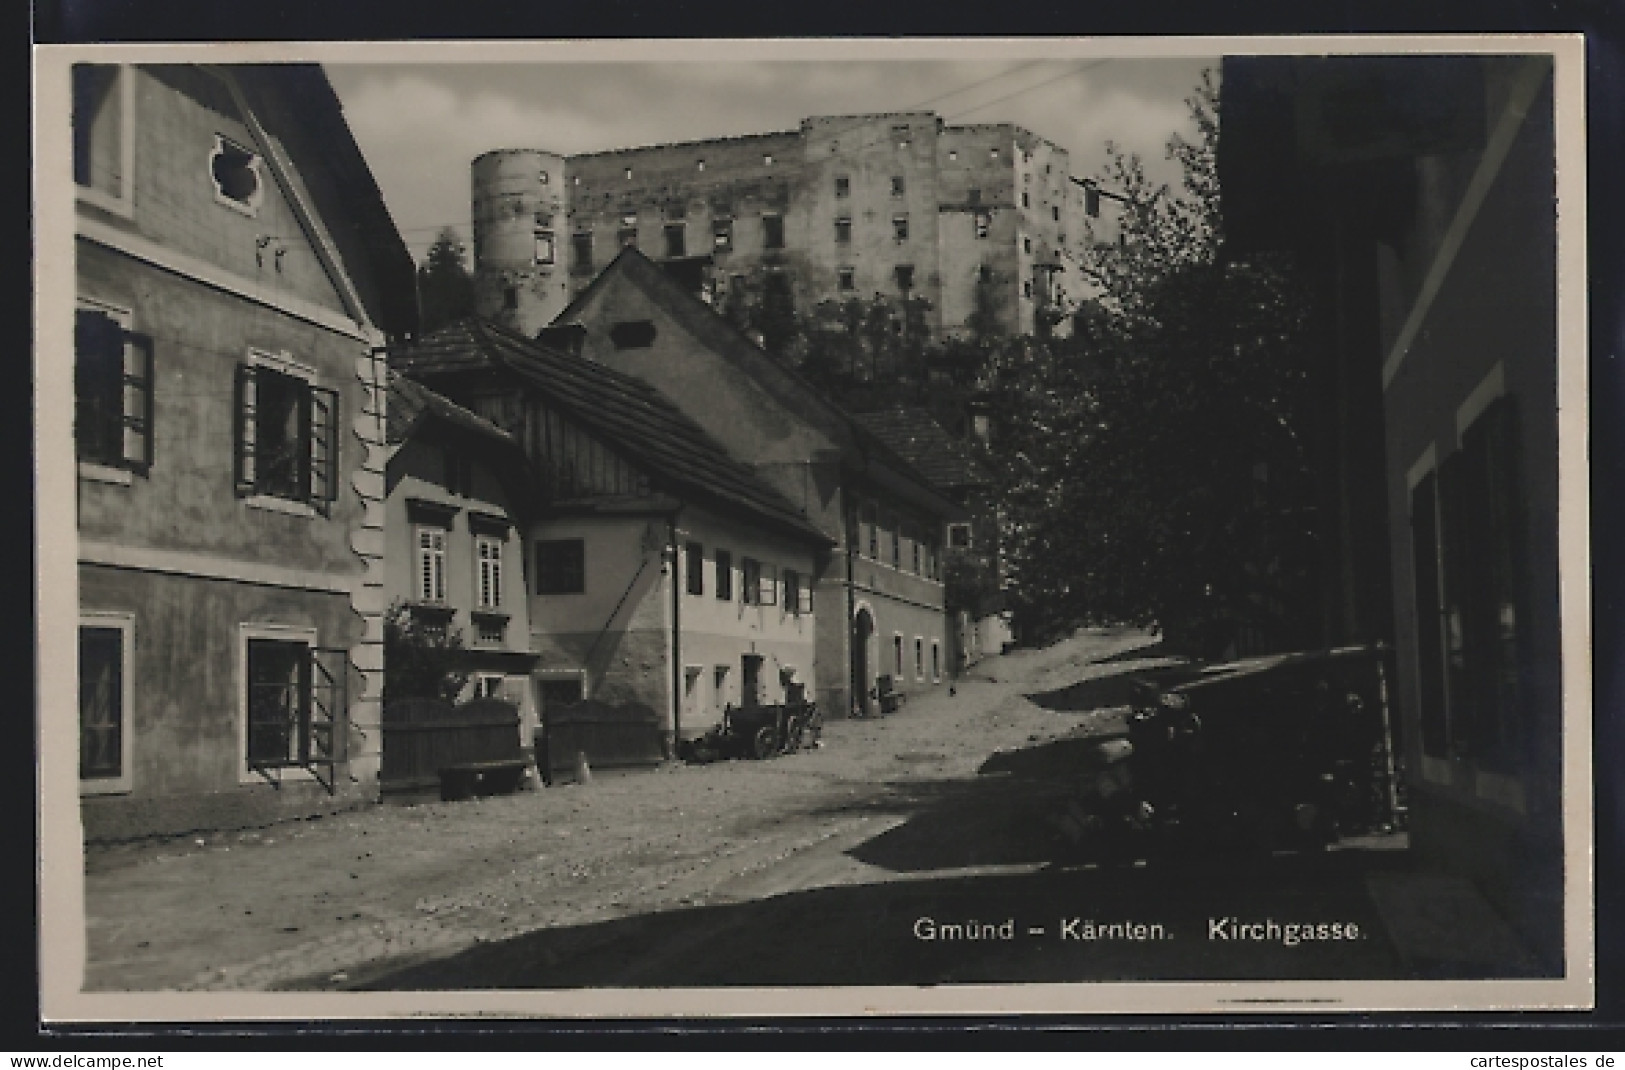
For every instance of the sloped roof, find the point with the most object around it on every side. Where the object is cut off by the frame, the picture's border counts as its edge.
(626, 414)
(864, 450)
(410, 403)
(917, 438)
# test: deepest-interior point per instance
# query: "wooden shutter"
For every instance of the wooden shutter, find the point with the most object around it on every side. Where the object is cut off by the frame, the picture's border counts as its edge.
(769, 586)
(245, 423)
(804, 596)
(137, 391)
(324, 444)
(98, 347)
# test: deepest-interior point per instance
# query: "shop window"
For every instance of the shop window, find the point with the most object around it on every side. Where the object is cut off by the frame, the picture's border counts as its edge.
(725, 576)
(694, 567)
(105, 695)
(287, 433)
(235, 171)
(113, 377)
(561, 566)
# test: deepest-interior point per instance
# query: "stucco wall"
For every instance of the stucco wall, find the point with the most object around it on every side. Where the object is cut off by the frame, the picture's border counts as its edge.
(417, 471)
(188, 757)
(178, 112)
(515, 193)
(188, 502)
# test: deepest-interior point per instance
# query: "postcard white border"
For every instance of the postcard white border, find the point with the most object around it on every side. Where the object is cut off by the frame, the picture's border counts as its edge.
(62, 934)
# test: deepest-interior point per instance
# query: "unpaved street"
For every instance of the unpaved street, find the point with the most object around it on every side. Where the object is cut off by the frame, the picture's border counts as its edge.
(809, 868)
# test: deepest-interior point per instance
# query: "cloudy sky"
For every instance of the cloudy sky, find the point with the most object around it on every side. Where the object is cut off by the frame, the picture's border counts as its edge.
(421, 124)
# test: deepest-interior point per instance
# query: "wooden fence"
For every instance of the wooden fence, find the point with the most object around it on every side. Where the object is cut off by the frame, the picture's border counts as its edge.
(610, 737)
(425, 735)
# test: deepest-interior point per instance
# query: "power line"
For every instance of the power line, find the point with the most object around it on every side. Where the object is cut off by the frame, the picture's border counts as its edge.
(1000, 100)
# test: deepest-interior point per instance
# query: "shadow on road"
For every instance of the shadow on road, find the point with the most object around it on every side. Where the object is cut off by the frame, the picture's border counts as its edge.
(874, 934)
(1103, 692)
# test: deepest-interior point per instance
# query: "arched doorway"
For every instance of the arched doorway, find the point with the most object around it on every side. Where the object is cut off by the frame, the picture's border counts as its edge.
(863, 630)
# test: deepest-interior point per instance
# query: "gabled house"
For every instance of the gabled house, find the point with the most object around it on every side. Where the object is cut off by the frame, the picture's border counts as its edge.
(666, 580)
(454, 527)
(884, 624)
(236, 272)
(979, 625)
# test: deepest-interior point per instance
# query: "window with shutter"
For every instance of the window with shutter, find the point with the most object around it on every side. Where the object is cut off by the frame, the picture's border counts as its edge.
(768, 586)
(804, 596)
(750, 581)
(287, 433)
(113, 395)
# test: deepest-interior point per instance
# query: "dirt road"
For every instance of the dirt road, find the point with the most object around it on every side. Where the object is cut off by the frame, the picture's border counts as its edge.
(336, 900)
(812, 868)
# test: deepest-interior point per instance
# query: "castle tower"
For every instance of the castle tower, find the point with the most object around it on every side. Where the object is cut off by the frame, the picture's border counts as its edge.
(521, 227)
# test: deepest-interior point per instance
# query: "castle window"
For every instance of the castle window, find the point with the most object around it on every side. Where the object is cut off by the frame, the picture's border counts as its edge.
(581, 252)
(510, 298)
(544, 246)
(722, 235)
(984, 223)
(699, 165)
(773, 232)
(897, 185)
(953, 154)
(629, 174)
(899, 227)
(899, 134)
(843, 186)
(905, 277)
(767, 159)
(846, 280)
(543, 177)
(676, 242)
(1055, 212)
(843, 230)
(1026, 201)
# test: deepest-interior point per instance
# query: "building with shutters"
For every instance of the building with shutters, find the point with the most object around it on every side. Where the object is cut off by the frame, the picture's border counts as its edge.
(1419, 196)
(663, 579)
(881, 624)
(236, 275)
(454, 529)
(899, 204)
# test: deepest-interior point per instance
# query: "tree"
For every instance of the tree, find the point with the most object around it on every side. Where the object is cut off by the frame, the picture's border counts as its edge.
(420, 661)
(1152, 466)
(445, 288)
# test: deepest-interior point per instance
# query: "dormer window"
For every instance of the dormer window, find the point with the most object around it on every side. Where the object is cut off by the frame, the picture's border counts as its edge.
(235, 171)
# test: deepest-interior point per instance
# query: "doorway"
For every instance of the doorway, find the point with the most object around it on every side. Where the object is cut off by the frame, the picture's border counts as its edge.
(863, 630)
